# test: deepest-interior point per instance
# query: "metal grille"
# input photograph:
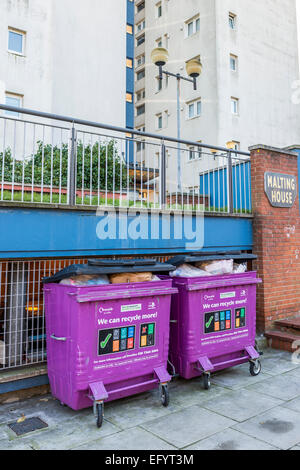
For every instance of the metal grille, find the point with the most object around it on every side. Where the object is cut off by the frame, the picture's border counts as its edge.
(22, 313)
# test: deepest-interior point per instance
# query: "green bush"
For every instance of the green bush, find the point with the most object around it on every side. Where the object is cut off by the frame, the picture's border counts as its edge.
(51, 162)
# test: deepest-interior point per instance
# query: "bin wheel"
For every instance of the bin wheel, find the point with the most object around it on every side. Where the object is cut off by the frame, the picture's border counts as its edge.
(206, 381)
(255, 368)
(99, 414)
(165, 398)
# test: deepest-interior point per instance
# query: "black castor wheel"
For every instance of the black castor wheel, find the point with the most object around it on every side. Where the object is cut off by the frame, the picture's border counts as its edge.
(99, 414)
(255, 368)
(206, 381)
(165, 398)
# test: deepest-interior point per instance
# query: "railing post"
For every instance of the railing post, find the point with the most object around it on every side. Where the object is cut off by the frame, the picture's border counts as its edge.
(230, 184)
(163, 177)
(72, 168)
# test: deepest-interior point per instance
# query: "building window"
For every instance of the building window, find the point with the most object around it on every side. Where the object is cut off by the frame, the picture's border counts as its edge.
(159, 42)
(140, 7)
(129, 97)
(194, 109)
(140, 40)
(12, 99)
(159, 119)
(140, 26)
(129, 63)
(234, 106)
(232, 21)
(140, 110)
(237, 145)
(192, 26)
(129, 28)
(140, 60)
(233, 62)
(16, 41)
(159, 10)
(140, 75)
(140, 95)
(195, 153)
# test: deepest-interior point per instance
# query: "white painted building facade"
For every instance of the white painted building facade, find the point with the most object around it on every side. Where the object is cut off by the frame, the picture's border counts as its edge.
(249, 52)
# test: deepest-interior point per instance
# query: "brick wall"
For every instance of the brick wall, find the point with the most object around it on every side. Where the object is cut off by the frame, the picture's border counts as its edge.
(276, 234)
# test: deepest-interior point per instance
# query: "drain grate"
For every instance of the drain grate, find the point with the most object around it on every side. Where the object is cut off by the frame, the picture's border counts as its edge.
(29, 425)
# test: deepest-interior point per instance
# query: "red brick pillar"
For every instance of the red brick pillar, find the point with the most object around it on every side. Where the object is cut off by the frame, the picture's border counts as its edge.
(276, 232)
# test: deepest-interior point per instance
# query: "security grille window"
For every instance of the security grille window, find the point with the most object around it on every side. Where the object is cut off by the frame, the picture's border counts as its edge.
(194, 109)
(140, 75)
(233, 63)
(140, 40)
(16, 41)
(13, 100)
(234, 106)
(192, 26)
(232, 21)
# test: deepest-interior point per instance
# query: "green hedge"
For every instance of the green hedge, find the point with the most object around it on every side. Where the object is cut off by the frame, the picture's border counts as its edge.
(53, 160)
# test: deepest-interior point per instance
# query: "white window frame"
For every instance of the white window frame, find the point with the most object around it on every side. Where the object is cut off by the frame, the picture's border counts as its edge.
(193, 23)
(140, 58)
(21, 33)
(235, 106)
(159, 118)
(194, 103)
(140, 26)
(195, 152)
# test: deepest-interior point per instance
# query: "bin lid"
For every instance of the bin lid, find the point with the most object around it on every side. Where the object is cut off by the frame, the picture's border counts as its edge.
(79, 269)
(210, 256)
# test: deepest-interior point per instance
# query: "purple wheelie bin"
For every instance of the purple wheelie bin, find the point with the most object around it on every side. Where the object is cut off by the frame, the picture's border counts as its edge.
(107, 342)
(213, 321)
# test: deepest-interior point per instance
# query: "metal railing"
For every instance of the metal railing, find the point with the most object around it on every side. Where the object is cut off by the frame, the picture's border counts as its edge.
(22, 310)
(52, 159)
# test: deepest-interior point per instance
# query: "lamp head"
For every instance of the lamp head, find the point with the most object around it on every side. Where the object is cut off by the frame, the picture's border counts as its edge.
(159, 56)
(194, 68)
(230, 145)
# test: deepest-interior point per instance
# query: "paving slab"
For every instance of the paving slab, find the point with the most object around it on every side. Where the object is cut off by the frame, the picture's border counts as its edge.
(186, 393)
(231, 440)
(241, 405)
(293, 404)
(70, 434)
(281, 386)
(188, 426)
(293, 373)
(14, 445)
(279, 427)
(46, 407)
(277, 365)
(237, 377)
(136, 439)
(130, 412)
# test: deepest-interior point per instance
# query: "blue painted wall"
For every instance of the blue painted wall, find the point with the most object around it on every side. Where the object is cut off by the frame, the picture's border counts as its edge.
(214, 184)
(39, 233)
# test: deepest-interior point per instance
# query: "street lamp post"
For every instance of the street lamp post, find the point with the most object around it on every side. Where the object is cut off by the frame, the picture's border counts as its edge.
(160, 57)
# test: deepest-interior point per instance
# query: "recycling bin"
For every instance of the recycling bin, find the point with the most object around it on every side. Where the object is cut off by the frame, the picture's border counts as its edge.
(109, 341)
(213, 320)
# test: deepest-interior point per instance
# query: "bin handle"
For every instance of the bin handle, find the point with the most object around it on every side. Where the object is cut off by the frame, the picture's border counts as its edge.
(58, 339)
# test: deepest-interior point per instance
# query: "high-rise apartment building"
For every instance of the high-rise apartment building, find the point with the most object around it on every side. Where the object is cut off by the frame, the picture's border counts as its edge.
(69, 57)
(249, 54)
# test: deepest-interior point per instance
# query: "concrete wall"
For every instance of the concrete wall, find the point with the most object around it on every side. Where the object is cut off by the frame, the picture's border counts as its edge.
(75, 57)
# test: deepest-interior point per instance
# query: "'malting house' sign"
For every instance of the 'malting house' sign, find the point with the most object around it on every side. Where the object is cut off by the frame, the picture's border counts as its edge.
(280, 189)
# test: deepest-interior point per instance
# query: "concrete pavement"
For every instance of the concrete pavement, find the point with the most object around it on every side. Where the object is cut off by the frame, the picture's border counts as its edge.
(238, 412)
